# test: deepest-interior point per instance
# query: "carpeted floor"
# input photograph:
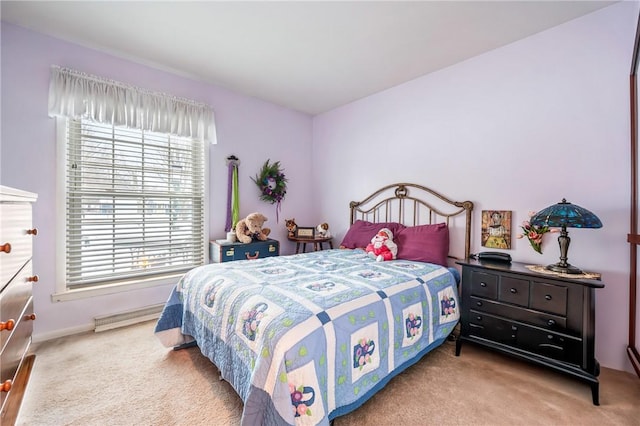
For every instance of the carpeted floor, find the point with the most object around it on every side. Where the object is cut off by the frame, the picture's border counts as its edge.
(126, 377)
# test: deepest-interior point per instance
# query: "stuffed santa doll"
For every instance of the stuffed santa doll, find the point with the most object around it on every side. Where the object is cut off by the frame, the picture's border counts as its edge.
(382, 247)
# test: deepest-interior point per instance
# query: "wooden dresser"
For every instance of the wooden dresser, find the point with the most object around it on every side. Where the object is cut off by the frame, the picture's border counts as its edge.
(541, 318)
(16, 301)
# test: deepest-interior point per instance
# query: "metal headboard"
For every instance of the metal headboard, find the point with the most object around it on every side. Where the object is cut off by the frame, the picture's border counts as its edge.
(412, 205)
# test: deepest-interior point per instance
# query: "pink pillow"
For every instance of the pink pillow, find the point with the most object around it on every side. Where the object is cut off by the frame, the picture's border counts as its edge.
(424, 243)
(361, 232)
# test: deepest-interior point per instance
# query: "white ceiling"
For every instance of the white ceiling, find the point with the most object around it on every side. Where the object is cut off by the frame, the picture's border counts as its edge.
(308, 56)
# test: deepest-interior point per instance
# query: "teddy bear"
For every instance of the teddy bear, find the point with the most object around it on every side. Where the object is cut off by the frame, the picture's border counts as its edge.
(323, 230)
(251, 227)
(291, 226)
(382, 247)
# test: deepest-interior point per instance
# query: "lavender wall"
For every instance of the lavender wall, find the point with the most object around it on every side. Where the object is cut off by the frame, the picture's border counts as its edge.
(249, 128)
(518, 128)
(515, 129)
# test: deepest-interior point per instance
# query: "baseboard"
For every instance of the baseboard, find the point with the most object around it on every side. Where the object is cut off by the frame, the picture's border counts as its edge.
(56, 334)
(106, 322)
(122, 319)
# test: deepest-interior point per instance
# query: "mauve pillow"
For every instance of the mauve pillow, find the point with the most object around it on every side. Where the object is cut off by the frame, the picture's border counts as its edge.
(424, 243)
(361, 232)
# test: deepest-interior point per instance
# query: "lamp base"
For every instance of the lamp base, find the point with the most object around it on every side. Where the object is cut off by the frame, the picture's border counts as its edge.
(564, 269)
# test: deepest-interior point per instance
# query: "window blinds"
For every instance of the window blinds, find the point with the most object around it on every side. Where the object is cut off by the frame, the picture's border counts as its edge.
(134, 204)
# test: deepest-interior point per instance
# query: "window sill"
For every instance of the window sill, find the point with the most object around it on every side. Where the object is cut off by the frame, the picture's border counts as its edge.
(113, 288)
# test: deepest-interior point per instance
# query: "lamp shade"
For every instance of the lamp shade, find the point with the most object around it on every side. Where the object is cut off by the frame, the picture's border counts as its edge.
(565, 214)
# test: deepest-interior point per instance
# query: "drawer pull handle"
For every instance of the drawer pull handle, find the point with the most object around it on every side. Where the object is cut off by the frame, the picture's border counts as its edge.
(551, 323)
(255, 256)
(6, 248)
(7, 325)
(31, 317)
(483, 284)
(6, 386)
(547, 296)
(33, 279)
(33, 231)
(513, 290)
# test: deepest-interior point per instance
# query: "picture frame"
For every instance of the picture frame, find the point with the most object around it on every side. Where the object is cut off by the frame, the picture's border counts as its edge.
(496, 229)
(305, 232)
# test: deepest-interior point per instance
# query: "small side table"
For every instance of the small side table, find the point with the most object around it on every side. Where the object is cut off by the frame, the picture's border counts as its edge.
(317, 243)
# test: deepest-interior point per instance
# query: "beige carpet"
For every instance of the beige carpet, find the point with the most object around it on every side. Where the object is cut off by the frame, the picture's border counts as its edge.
(125, 377)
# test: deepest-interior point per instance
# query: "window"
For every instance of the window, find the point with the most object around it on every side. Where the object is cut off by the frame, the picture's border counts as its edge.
(135, 203)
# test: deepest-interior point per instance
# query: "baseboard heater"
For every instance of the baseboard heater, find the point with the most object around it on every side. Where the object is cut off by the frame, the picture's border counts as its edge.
(108, 322)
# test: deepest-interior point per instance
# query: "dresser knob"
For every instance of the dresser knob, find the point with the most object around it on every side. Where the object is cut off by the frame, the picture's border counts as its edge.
(547, 296)
(483, 284)
(479, 318)
(478, 303)
(7, 325)
(31, 317)
(514, 328)
(513, 291)
(551, 323)
(33, 231)
(33, 279)
(550, 336)
(6, 386)
(6, 248)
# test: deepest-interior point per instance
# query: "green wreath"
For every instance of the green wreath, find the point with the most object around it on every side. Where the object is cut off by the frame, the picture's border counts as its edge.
(272, 182)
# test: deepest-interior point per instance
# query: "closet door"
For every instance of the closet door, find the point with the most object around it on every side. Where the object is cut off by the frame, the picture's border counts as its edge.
(634, 237)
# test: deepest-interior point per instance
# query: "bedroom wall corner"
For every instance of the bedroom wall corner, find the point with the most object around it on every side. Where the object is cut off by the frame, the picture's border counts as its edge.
(518, 128)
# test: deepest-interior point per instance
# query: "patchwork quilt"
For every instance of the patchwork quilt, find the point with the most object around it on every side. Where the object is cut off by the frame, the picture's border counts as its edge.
(306, 338)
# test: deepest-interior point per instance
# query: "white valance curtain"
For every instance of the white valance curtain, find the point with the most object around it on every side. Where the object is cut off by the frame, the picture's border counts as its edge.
(75, 94)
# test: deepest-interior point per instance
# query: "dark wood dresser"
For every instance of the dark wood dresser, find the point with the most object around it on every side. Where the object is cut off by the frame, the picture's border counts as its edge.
(225, 251)
(16, 302)
(541, 318)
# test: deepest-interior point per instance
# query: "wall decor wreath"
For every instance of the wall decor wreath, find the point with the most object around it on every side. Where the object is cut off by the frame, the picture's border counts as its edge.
(272, 184)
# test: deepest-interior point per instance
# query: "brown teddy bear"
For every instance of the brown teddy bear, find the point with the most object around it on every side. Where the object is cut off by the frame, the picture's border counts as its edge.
(251, 227)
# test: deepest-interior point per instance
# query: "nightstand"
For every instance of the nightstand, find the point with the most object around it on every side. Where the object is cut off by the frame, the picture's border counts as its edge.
(317, 243)
(541, 318)
(225, 251)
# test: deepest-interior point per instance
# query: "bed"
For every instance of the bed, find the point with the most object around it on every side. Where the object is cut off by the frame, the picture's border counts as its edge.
(306, 338)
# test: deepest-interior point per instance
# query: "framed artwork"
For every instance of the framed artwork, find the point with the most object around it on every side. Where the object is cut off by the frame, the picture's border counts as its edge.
(496, 229)
(305, 232)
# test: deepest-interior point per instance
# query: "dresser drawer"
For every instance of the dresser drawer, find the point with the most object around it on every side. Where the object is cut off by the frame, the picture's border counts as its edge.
(549, 298)
(545, 320)
(551, 345)
(227, 252)
(514, 290)
(16, 348)
(484, 284)
(491, 328)
(13, 299)
(15, 221)
(529, 339)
